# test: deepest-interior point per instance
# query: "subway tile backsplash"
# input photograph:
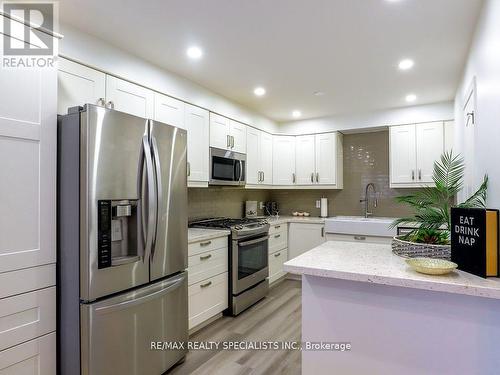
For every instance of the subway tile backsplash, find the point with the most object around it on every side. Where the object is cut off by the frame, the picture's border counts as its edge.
(366, 159)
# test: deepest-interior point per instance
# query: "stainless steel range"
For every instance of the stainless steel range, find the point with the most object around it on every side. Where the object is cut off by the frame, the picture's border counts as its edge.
(248, 259)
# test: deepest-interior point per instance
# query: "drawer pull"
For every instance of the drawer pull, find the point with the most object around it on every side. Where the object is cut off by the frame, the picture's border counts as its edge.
(205, 257)
(205, 243)
(277, 236)
(205, 285)
(277, 226)
(360, 238)
(277, 255)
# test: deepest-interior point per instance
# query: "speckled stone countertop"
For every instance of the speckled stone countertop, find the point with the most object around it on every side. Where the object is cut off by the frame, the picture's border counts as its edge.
(375, 263)
(201, 234)
(273, 220)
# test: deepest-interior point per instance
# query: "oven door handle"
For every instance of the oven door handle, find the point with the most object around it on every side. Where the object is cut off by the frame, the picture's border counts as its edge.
(251, 242)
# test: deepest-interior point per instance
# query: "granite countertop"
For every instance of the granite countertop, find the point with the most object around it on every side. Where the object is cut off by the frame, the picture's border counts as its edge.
(273, 220)
(375, 263)
(200, 234)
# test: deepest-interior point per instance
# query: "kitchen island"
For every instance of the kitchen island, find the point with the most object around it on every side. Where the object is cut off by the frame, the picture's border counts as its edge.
(396, 320)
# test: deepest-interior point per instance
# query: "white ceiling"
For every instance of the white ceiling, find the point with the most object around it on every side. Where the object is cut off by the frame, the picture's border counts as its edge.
(349, 49)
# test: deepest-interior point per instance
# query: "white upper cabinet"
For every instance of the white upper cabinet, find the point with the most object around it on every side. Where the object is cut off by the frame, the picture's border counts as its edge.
(78, 85)
(238, 132)
(430, 144)
(28, 144)
(329, 159)
(305, 166)
(266, 157)
(219, 131)
(254, 172)
(412, 152)
(284, 160)
(197, 125)
(129, 97)
(169, 110)
(227, 134)
(259, 157)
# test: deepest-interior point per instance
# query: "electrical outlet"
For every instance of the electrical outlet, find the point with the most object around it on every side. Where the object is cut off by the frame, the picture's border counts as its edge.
(261, 205)
(318, 204)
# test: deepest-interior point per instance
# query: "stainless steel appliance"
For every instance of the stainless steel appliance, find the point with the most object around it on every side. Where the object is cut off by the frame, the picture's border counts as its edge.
(122, 242)
(227, 167)
(248, 259)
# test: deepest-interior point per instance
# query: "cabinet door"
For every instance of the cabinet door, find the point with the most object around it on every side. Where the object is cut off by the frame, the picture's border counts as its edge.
(304, 159)
(448, 135)
(197, 124)
(253, 156)
(283, 160)
(430, 143)
(130, 98)
(169, 110)
(238, 131)
(219, 131)
(266, 157)
(402, 154)
(303, 237)
(28, 144)
(326, 159)
(78, 84)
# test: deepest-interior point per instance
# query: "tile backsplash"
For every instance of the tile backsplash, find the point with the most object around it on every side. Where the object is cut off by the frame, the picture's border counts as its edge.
(222, 201)
(366, 159)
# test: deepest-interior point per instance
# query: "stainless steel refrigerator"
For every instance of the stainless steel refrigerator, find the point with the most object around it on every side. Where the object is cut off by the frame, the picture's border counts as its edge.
(122, 243)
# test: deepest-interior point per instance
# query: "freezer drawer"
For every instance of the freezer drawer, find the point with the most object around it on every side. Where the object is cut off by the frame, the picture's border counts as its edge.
(117, 332)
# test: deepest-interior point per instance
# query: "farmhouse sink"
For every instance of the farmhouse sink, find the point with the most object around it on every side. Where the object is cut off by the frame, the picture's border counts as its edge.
(358, 225)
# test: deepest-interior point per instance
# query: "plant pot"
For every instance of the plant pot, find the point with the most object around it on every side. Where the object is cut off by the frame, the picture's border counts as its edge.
(407, 249)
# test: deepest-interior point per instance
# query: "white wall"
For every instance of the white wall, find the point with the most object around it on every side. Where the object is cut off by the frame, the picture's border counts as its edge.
(484, 64)
(375, 119)
(98, 54)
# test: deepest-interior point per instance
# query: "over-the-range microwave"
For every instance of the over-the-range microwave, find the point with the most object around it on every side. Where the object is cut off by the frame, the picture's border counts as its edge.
(227, 167)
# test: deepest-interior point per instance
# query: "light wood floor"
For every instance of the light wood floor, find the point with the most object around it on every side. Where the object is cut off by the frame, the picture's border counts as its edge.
(276, 318)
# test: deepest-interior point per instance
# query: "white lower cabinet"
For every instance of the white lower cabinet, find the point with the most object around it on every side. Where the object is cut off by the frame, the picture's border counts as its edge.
(276, 261)
(35, 357)
(26, 316)
(304, 237)
(207, 298)
(278, 253)
(207, 279)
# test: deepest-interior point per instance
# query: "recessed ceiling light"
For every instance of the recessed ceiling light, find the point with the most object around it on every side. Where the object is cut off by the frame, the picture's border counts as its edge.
(194, 52)
(318, 93)
(406, 64)
(259, 91)
(411, 98)
(296, 114)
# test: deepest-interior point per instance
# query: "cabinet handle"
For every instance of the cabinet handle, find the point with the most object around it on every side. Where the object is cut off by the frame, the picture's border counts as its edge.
(412, 174)
(205, 243)
(205, 257)
(322, 231)
(317, 177)
(277, 255)
(232, 141)
(110, 105)
(293, 177)
(259, 179)
(312, 177)
(419, 174)
(263, 176)
(277, 226)
(205, 285)
(189, 169)
(101, 102)
(228, 142)
(359, 238)
(277, 236)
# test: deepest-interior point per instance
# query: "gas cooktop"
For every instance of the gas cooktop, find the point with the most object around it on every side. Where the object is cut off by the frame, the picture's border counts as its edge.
(228, 223)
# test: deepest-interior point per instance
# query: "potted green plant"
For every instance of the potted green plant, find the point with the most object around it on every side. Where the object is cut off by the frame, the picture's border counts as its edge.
(431, 206)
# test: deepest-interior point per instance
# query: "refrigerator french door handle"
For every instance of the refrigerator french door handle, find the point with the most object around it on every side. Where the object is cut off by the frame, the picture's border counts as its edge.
(166, 287)
(151, 198)
(159, 189)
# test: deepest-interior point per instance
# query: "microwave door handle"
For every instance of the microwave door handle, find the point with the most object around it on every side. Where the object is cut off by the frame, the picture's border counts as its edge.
(241, 171)
(159, 190)
(151, 198)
